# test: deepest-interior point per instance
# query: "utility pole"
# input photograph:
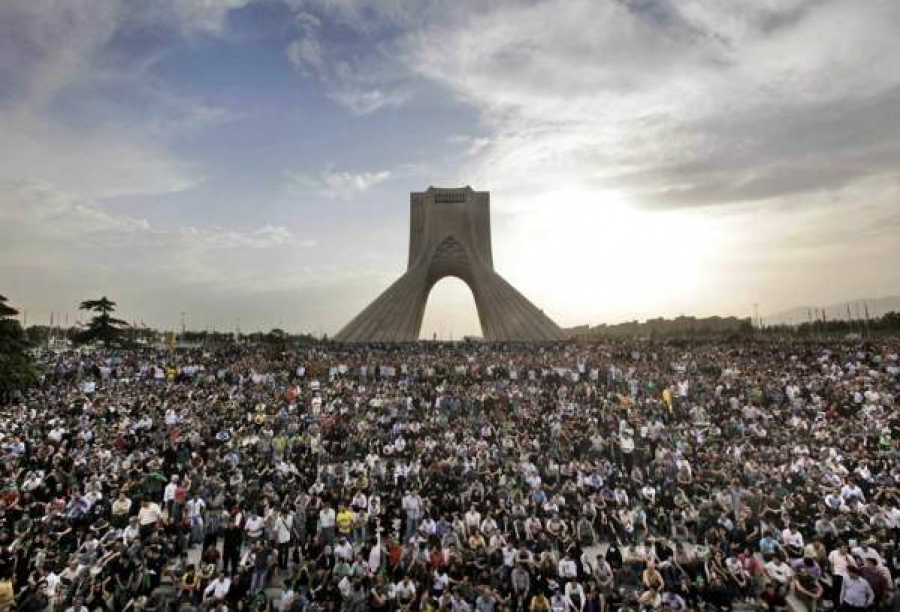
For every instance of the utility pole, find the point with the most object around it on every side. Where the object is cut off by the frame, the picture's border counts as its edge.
(756, 314)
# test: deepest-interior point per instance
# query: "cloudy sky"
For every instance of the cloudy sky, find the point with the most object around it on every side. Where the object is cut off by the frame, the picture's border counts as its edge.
(251, 161)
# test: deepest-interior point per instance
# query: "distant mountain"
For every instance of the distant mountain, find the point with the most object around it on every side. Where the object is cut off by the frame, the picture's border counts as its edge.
(877, 307)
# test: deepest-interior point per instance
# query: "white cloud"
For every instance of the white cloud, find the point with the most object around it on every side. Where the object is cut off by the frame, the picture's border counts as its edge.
(363, 76)
(366, 101)
(334, 185)
(40, 210)
(265, 237)
(102, 163)
(68, 116)
(204, 15)
(45, 213)
(676, 103)
(306, 55)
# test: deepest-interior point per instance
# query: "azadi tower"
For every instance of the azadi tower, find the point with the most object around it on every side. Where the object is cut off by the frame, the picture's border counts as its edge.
(450, 235)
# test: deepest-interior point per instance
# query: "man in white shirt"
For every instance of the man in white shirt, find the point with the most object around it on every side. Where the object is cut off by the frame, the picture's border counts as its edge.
(792, 539)
(405, 592)
(121, 508)
(343, 550)
(284, 526)
(851, 491)
(169, 492)
(148, 517)
(327, 518)
(195, 508)
(780, 573)
(472, 519)
(218, 588)
(131, 531)
(171, 418)
(567, 569)
(413, 507)
(77, 605)
(865, 551)
(255, 527)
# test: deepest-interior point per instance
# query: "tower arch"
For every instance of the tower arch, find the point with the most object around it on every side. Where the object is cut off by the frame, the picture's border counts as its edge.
(450, 235)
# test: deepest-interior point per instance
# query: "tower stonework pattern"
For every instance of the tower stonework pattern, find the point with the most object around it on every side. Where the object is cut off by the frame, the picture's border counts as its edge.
(450, 235)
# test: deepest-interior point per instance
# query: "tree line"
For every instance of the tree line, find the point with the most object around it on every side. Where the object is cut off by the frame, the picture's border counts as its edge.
(888, 323)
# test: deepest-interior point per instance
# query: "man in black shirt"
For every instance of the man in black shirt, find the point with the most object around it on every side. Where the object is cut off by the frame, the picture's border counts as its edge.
(231, 550)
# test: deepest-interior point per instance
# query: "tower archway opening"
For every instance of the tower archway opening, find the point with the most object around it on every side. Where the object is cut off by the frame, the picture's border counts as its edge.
(450, 312)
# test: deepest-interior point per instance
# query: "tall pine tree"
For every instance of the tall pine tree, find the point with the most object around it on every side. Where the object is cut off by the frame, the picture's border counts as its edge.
(16, 368)
(103, 327)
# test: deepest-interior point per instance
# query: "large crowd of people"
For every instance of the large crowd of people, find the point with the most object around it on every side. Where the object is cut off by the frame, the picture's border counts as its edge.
(463, 478)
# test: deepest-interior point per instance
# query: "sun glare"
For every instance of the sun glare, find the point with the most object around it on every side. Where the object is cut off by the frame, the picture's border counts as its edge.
(599, 250)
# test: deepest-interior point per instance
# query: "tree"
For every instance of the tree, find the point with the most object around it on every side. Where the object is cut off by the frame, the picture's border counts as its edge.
(103, 327)
(16, 368)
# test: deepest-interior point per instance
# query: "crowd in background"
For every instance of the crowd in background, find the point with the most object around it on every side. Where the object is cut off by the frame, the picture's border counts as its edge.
(467, 478)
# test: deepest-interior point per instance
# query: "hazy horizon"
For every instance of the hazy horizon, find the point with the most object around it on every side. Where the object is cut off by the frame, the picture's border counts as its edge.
(252, 160)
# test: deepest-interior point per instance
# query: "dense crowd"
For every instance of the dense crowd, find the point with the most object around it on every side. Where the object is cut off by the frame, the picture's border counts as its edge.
(466, 478)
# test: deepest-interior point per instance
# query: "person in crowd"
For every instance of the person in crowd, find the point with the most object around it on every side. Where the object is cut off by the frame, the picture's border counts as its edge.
(856, 592)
